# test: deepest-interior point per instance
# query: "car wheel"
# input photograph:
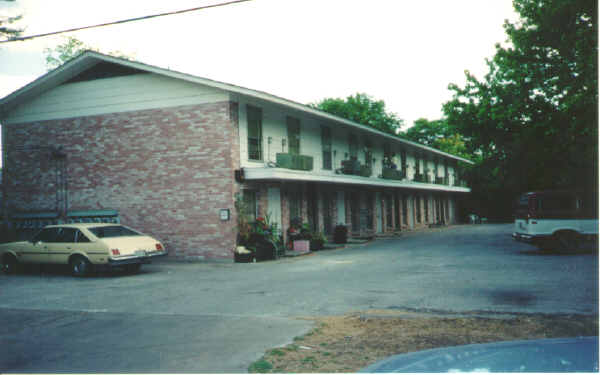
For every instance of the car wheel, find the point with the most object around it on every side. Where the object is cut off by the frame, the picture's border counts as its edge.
(566, 241)
(80, 266)
(133, 268)
(9, 264)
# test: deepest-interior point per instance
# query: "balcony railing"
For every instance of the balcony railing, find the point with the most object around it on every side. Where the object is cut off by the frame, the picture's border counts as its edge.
(294, 161)
(353, 167)
(419, 177)
(392, 174)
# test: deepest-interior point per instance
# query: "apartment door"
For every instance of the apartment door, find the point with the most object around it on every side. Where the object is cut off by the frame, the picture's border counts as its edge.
(312, 207)
(274, 205)
(341, 208)
(378, 212)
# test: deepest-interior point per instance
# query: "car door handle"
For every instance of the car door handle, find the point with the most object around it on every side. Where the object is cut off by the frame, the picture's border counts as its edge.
(68, 247)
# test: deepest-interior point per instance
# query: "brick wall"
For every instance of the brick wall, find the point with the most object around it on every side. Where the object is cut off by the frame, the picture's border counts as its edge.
(167, 171)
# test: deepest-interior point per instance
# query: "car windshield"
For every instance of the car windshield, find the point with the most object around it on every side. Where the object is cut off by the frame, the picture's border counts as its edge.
(113, 231)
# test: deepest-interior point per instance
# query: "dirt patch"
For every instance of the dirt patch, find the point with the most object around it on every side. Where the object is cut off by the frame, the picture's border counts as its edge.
(350, 343)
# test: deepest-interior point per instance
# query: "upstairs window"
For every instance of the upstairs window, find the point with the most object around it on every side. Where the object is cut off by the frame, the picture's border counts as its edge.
(254, 115)
(353, 147)
(293, 130)
(326, 146)
(368, 153)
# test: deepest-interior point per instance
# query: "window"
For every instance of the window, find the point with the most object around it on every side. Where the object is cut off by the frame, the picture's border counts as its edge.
(293, 131)
(403, 161)
(66, 235)
(353, 147)
(81, 237)
(426, 202)
(326, 146)
(113, 231)
(254, 115)
(388, 157)
(368, 153)
(46, 235)
(418, 208)
(249, 197)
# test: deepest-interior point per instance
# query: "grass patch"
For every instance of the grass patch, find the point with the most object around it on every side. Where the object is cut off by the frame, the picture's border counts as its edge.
(277, 352)
(353, 341)
(260, 366)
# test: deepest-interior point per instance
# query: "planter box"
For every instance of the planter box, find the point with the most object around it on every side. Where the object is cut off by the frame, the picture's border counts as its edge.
(302, 245)
(366, 171)
(392, 174)
(351, 167)
(293, 161)
(243, 258)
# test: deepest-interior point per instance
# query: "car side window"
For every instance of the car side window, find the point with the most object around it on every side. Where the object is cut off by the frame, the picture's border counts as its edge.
(81, 237)
(66, 235)
(46, 235)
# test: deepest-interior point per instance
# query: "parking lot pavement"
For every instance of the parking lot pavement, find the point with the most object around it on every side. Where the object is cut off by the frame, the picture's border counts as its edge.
(201, 317)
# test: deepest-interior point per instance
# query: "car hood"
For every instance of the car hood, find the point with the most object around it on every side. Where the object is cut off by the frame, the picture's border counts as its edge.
(129, 245)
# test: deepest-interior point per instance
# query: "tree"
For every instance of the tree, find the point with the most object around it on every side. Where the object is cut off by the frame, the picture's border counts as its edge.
(363, 109)
(69, 49)
(534, 116)
(438, 134)
(63, 52)
(8, 32)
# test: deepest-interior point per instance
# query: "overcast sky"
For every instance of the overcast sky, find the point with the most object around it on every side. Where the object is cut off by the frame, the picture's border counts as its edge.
(403, 52)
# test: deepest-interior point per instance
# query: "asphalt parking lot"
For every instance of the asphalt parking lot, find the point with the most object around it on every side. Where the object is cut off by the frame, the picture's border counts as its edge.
(203, 317)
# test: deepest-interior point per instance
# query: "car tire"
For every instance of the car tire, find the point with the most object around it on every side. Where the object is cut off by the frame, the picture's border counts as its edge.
(9, 264)
(133, 268)
(566, 241)
(80, 266)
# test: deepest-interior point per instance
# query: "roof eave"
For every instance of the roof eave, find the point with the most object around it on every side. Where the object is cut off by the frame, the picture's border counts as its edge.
(89, 58)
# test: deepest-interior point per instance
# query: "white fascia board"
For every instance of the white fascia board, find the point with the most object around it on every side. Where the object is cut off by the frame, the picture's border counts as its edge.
(281, 174)
(89, 58)
(49, 80)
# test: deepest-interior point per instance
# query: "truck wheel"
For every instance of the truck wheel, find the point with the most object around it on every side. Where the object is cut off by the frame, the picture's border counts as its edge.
(79, 266)
(9, 264)
(567, 241)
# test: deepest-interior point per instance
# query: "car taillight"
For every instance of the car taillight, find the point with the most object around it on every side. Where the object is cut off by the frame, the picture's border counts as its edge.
(115, 252)
(159, 247)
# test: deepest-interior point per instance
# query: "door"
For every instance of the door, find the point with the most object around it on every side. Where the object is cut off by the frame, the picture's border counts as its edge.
(63, 246)
(37, 250)
(274, 205)
(341, 208)
(379, 212)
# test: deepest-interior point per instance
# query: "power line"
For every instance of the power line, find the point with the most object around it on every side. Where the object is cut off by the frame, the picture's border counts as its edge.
(20, 39)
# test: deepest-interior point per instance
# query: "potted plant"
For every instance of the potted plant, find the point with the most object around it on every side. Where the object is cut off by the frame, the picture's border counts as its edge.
(317, 241)
(299, 235)
(340, 234)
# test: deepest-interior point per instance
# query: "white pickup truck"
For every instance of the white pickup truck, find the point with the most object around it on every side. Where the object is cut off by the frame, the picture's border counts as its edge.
(559, 220)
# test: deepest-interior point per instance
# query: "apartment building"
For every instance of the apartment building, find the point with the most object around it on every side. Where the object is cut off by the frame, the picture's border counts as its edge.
(169, 153)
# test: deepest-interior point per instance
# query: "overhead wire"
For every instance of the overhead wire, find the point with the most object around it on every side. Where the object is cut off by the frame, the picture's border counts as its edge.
(20, 39)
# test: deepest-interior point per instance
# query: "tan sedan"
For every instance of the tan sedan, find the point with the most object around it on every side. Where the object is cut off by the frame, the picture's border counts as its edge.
(83, 247)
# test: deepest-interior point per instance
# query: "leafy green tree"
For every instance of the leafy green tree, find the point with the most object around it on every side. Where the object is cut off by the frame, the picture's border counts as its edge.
(64, 52)
(438, 134)
(534, 117)
(8, 32)
(69, 49)
(363, 109)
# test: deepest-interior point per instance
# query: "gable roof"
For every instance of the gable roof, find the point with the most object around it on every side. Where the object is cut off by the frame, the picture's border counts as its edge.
(88, 59)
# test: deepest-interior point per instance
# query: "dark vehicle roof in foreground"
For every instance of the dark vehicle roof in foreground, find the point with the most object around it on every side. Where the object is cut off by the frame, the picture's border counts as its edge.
(578, 354)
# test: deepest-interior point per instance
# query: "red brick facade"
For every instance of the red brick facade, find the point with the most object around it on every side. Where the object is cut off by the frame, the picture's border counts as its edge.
(167, 171)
